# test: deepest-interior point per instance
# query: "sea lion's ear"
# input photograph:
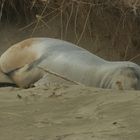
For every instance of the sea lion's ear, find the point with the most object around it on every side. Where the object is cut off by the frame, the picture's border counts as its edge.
(5, 78)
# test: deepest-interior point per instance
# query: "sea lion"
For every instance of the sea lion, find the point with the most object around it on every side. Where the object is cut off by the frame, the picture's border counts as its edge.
(69, 60)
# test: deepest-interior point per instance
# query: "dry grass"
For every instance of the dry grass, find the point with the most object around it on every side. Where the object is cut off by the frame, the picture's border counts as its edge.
(26, 9)
(113, 19)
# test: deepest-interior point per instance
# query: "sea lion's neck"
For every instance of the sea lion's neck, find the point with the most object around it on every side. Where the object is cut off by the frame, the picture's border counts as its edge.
(120, 75)
(94, 75)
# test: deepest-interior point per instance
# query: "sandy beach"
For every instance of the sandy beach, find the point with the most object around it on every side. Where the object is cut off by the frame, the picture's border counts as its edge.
(69, 112)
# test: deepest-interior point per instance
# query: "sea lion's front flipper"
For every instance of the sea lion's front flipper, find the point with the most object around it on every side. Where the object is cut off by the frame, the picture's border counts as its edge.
(5, 80)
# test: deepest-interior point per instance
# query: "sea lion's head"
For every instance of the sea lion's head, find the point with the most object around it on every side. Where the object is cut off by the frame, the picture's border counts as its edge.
(126, 78)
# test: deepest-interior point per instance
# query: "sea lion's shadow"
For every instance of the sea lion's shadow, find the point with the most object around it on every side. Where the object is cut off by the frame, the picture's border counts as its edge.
(4, 84)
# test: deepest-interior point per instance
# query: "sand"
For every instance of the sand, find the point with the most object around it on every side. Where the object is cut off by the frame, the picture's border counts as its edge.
(64, 111)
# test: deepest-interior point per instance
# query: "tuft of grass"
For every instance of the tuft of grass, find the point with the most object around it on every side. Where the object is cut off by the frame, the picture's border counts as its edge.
(111, 19)
(16, 10)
